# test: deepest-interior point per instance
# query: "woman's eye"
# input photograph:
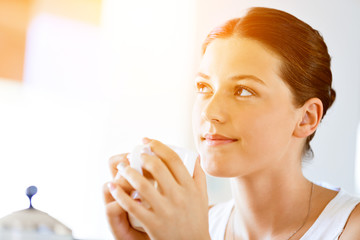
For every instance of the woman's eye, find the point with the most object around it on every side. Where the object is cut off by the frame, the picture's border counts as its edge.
(243, 92)
(203, 88)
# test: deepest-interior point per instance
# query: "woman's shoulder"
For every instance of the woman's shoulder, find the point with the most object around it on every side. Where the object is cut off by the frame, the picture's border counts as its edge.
(352, 229)
(337, 212)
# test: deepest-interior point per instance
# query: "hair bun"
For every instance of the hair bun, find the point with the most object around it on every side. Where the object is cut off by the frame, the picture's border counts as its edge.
(332, 97)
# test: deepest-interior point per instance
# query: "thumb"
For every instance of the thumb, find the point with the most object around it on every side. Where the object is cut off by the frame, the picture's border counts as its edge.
(200, 177)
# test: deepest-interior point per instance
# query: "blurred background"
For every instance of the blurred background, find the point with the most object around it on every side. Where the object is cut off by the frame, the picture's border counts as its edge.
(82, 80)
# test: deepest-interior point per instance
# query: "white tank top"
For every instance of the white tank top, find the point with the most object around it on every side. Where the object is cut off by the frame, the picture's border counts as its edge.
(328, 226)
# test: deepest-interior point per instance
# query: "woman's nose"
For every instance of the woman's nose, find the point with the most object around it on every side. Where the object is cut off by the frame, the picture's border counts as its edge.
(214, 110)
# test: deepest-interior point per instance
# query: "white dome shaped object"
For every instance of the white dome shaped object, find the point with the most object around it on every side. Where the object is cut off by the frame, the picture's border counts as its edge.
(32, 224)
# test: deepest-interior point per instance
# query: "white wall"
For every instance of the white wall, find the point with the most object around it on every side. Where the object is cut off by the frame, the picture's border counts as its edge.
(357, 161)
(339, 23)
(90, 92)
(52, 126)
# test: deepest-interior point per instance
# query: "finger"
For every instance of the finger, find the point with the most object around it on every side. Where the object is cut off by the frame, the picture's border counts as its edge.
(160, 173)
(113, 209)
(115, 160)
(119, 179)
(119, 223)
(200, 177)
(128, 204)
(107, 195)
(106, 192)
(171, 160)
(117, 218)
(125, 185)
(144, 187)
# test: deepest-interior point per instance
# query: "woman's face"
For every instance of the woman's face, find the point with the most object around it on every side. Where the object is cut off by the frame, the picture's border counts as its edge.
(243, 116)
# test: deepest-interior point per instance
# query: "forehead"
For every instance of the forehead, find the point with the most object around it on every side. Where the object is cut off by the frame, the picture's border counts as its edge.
(237, 55)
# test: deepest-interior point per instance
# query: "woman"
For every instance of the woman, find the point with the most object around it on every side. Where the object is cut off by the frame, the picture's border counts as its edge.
(263, 86)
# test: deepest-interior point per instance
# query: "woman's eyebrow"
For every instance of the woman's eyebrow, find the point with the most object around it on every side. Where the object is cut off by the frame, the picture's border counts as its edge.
(235, 78)
(203, 75)
(251, 77)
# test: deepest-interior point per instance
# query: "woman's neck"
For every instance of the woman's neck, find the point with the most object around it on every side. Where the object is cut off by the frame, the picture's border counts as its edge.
(271, 204)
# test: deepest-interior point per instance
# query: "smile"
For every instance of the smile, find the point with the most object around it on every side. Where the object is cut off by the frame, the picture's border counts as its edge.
(216, 140)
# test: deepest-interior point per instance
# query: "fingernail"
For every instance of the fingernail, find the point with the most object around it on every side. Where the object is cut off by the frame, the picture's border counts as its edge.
(111, 186)
(135, 195)
(146, 149)
(121, 167)
(146, 140)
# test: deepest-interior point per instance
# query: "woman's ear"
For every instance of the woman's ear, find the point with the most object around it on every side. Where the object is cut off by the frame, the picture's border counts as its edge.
(311, 114)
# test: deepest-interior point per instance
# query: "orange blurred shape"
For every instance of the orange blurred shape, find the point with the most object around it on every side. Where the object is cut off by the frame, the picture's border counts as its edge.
(15, 16)
(88, 11)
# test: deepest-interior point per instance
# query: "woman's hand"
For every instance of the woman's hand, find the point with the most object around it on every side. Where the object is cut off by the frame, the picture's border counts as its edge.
(117, 216)
(178, 208)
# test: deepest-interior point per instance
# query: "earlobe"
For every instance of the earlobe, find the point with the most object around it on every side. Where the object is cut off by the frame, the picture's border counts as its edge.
(311, 115)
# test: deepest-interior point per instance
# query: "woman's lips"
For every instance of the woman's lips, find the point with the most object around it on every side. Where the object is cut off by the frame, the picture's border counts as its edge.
(217, 139)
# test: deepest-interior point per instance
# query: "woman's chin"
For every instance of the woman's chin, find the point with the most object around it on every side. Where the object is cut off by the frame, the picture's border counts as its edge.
(214, 169)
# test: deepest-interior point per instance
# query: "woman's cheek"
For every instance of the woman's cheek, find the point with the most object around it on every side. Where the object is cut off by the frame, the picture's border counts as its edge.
(270, 135)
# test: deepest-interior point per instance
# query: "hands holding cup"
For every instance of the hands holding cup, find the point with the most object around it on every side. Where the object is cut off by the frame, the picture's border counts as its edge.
(176, 207)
